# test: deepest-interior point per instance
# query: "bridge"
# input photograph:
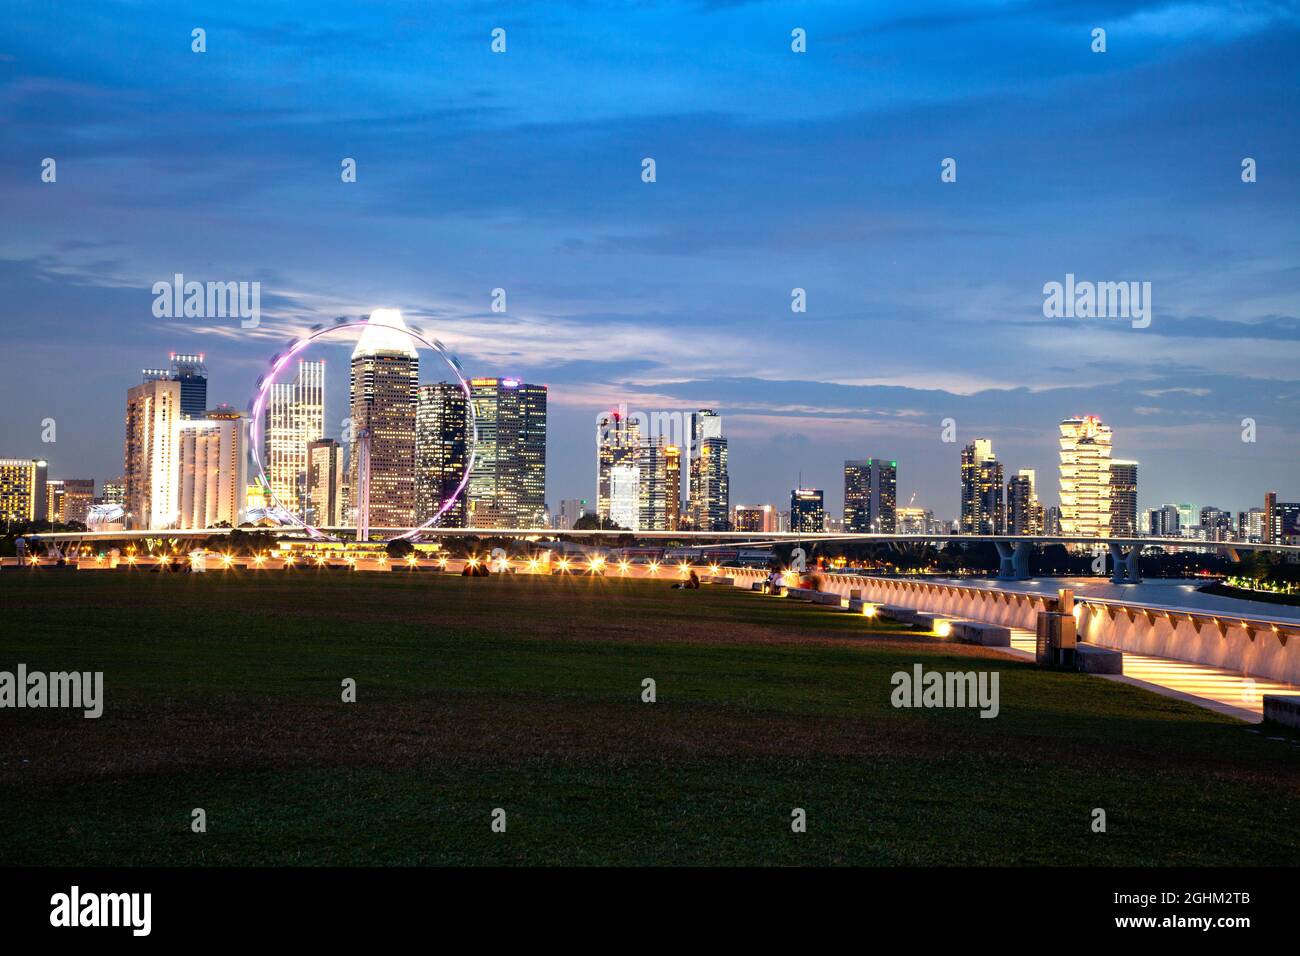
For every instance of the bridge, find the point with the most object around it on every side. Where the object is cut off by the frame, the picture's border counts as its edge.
(1013, 550)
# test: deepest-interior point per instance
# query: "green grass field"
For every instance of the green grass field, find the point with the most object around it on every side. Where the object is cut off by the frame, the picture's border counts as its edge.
(223, 692)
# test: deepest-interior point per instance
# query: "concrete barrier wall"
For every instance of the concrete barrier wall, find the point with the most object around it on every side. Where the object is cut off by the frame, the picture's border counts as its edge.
(1245, 645)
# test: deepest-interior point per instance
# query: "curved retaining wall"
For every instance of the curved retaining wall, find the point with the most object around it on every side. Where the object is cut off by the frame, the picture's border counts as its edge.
(1250, 645)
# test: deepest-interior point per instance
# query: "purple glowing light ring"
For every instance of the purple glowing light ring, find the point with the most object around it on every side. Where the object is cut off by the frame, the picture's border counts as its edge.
(257, 409)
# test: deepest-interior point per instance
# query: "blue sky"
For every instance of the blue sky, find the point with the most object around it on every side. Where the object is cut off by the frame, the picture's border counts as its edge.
(775, 170)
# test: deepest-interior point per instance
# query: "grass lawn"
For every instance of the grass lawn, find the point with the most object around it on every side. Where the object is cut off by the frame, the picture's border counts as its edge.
(223, 692)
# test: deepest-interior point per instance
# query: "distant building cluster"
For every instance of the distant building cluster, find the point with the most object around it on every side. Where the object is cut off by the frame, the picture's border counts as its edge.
(402, 456)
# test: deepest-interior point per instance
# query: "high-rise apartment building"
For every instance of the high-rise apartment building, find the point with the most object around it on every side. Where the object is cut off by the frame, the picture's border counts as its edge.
(212, 472)
(295, 417)
(871, 496)
(114, 492)
(326, 483)
(1123, 498)
(23, 495)
(507, 487)
(983, 507)
(385, 375)
(1085, 476)
(1024, 513)
(1164, 522)
(150, 460)
(441, 447)
(755, 518)
(1281, 520)
(807, 514)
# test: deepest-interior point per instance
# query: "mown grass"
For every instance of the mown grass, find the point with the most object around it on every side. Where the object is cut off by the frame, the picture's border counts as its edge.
(223, 692)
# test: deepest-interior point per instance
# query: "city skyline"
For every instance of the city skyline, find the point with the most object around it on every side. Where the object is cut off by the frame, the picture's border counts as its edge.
(606, 278)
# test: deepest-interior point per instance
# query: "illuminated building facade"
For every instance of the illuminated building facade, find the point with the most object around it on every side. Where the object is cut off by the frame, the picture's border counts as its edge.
(807, 514)
(871, 496)
(326, 482)
(618, 443)
(295, 417)
(1085, 476)
(1024, 513)
(653, 503)
(69, 499)
(150, 461)
(983, 507)
(23, 495)
(507, 486)
(1123, 497)
(709, 489)
(213, 469)
(441, 447)
(385, 376)
(192, 376)
(672, 487)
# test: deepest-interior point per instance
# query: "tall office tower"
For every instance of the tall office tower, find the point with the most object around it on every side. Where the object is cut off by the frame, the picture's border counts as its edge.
(192, 375)
(23, 495)
(1281, 520)
(708, 480)
(672, 487)
(624, 496)
(871, 496)
(69, 499)
(441, 446)
(618, 442)
(153, 410)
(381, 462)
(1266, 523)
(983, 507)
(507, 487)
(571, 509)
(295, 417)
(1022, 503)
(1123, 497)
(213, 469)
(325, 482)
(652, 500)
(1085, 476)
(807, 515)
(115, 491)
(1164, 522)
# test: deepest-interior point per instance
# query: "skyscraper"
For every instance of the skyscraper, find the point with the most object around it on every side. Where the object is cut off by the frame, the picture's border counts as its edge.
(624, 496)
(1123, 497)
(983, 507)
(710, 482)
(652, 505)
(507, 487)
(295, 417)
(1024, 513)
(381, 466)
(1085, 476)
(618, 442)
(1164, 522)
(325, 484)
(441, 447)
(870, 496)
(756, 518)
(672, 487)
(192, 374)
(23, 495)
(150, 460)
(213, 469)
(807, 515)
